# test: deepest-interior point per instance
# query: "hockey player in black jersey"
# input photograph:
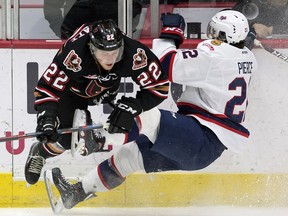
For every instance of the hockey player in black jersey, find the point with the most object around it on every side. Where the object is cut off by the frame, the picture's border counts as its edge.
(87, 71)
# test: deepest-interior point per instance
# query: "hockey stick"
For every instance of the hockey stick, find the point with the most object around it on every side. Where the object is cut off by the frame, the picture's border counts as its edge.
(60, 131)
(271, 50)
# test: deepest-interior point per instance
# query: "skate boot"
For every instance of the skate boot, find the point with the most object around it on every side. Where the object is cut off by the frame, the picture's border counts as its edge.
(38, 154)
(86, 142)
(92, 141)
(71, 194)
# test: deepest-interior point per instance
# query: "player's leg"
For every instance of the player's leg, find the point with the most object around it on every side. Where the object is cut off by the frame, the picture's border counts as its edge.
(146, 123)
(39, 152)
(71, 194)
(186, 142)
(106, 176)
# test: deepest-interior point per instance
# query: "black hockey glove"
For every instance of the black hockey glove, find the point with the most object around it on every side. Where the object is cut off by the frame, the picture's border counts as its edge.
(48, 124)
(173, 26)
(121, 119)
(249, 41)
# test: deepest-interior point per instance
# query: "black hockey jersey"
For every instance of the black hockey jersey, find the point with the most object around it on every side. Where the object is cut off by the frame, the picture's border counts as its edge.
(74, 69)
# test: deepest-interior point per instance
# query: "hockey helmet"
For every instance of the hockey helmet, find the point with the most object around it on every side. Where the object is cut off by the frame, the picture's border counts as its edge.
(228, 25)
(105, 35)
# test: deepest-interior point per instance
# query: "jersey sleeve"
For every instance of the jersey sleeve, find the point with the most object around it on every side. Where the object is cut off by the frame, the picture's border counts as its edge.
(184, 66)
(50, 87)
(153, 80)
(60, 75)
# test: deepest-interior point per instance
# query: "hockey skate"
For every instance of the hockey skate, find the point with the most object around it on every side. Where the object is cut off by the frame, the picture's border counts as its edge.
(71, 194)
(34, 163)
(86, 142)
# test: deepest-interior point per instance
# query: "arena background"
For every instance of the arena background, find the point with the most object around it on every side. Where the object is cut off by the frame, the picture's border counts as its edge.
(258, 177)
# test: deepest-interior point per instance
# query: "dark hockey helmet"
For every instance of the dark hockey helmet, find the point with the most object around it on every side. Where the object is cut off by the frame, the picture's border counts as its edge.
(105, 35)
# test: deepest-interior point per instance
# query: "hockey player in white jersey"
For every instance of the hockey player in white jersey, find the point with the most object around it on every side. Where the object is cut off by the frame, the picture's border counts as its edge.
(216, 76)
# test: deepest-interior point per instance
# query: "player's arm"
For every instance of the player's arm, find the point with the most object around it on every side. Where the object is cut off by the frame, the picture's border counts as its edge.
(154, 87)
(153, 83)
(52, 84)
(170, 38)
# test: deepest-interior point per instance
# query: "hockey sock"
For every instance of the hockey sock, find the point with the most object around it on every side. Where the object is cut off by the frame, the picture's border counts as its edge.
(50, 150)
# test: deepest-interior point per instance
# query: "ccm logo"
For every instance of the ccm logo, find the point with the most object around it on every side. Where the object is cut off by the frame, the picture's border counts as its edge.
(127, 108)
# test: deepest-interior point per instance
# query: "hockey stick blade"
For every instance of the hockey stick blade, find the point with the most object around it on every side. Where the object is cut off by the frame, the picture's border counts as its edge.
(55, 202)
(271, 50)
(60, 131)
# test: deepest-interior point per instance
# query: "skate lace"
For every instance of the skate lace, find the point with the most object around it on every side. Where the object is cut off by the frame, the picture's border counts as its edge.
(65, 181)
(37, 163)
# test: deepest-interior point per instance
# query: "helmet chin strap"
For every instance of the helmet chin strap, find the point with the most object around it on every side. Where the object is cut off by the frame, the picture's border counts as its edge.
(92, 50)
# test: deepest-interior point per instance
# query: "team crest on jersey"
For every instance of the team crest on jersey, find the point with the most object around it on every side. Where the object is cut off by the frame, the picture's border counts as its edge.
(73, 62)
(209, 46)
(216, 42)
(139, 59)
(223, 18)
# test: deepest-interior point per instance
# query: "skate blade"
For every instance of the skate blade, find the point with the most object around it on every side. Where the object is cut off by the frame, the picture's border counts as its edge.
(54, 200)
(79, 119)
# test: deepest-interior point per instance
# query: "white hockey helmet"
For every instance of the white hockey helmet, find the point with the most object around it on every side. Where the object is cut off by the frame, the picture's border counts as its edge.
(228, 25)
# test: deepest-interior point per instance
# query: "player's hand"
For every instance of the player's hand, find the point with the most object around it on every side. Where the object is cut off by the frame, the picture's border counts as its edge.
(263, 31)
(48, 124)
(121, 119)
(173, 26)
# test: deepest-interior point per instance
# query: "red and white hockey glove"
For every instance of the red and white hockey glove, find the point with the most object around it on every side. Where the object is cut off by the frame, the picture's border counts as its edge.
(173, 26)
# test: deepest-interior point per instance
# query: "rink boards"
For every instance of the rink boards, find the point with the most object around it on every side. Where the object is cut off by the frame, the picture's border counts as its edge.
(166, 190)
(258, 177)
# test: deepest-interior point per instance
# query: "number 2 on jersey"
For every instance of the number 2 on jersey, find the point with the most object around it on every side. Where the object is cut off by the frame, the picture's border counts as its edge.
(60, 80)
(237, 100)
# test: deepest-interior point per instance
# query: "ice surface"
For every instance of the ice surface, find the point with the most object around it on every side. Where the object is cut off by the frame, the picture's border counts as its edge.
(186, 211)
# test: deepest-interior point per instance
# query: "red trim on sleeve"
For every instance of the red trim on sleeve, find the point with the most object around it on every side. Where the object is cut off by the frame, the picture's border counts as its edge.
(115, 167)
(101, 178)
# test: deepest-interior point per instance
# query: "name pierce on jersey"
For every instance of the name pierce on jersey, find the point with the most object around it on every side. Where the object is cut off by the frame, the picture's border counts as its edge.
(245, 67)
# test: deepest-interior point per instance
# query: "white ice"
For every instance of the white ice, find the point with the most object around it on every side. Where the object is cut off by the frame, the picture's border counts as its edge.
(186, 211)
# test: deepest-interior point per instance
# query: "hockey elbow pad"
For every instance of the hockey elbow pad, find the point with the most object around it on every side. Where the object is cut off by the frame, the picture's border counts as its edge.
(173, 26)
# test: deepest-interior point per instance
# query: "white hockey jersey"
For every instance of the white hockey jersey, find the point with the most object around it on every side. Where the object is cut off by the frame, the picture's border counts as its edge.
(216, 77)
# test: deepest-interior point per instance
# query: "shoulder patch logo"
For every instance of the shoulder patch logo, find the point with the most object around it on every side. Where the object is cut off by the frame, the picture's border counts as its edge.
(216, 42)
(139, 59)
(73, 62)
(209, 46)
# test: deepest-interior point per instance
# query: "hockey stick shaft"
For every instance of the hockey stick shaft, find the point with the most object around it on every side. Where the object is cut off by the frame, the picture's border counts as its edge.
(272, 51)
(60, 131)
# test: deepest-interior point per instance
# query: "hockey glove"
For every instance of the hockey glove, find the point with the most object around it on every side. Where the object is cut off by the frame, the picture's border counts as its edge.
(48, 124)
(173, 26)
(121, 119)
(249, 41)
